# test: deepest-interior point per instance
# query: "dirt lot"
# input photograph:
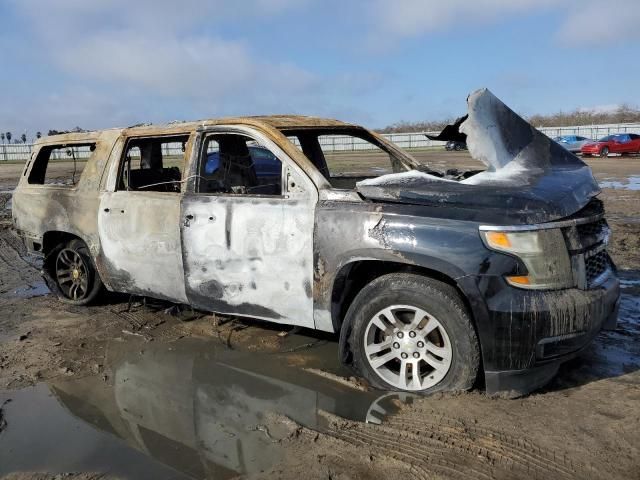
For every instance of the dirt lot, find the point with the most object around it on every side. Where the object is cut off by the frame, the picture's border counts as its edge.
(148, 390)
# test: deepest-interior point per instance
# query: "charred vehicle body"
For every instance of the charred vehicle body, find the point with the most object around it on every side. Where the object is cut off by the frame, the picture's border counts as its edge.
(431, 279)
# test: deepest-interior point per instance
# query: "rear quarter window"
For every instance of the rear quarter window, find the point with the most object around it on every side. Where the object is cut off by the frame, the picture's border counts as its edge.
(60, 164)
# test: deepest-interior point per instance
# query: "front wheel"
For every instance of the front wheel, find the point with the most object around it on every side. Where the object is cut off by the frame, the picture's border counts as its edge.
(76, 279)
(412, 333)
(604, 152)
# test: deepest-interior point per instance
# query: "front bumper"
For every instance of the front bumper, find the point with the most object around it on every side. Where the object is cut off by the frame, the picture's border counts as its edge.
(591, 150)
(525, 335)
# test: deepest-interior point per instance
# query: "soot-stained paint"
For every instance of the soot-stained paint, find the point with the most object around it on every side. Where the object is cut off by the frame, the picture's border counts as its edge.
(289, 258)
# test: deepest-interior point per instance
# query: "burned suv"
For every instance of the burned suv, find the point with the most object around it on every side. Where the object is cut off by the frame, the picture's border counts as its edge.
(429, 278)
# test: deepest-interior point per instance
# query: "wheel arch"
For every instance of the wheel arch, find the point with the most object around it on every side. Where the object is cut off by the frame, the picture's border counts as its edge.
(355, 275)
(52, 242)
(377, 269)
(52, 238)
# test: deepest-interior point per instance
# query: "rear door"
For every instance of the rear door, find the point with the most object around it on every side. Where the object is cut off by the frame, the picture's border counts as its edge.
(247, 232)
(138, 219)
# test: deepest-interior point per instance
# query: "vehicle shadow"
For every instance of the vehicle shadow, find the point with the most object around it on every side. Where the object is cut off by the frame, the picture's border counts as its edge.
(150, 312)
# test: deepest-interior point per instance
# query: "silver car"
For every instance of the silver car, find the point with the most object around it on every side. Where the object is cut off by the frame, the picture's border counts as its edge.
(573, 143)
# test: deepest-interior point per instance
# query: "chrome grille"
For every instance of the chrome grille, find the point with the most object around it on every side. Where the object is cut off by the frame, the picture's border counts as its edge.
(587, 244)
(594, 229)
(595, 266)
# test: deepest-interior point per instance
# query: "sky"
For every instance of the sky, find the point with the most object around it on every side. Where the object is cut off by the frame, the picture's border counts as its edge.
(99, 64)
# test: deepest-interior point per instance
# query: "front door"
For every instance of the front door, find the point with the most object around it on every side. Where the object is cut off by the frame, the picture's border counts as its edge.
(139, 220)
(247, 229)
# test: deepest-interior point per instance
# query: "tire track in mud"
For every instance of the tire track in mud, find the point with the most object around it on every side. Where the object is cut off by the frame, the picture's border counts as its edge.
(500, 445)
(15, 271)
(453, 449)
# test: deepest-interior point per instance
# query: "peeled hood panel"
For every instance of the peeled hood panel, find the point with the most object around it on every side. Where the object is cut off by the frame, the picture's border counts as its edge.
(529, 178)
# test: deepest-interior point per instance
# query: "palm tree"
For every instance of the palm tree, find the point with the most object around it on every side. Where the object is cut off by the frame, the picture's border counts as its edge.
(2, 137)
(38, 135)
(23, 137)
(8, 135)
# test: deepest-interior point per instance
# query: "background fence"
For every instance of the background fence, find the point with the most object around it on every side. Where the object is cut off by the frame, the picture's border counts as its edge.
(342, 143)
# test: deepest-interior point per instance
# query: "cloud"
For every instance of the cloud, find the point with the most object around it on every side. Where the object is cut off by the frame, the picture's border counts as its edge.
(122, 62)
(152, 45)
(410, 18)
(584, 22)
(170, 66)
(63, 110)
(147, 54)
(593, 23)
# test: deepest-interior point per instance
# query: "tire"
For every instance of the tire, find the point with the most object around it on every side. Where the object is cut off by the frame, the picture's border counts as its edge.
(433, 331)
(604, 153)
(76, 280)
(457, 148)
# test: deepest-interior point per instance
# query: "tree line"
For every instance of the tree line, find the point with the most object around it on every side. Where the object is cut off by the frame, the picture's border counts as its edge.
(621, 114)
(6, 137)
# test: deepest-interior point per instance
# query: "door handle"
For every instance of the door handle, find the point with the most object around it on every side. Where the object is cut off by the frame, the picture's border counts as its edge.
(107, 210)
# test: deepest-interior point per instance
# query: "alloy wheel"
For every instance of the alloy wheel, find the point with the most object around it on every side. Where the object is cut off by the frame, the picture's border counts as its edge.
(72, 274)
(407, 347)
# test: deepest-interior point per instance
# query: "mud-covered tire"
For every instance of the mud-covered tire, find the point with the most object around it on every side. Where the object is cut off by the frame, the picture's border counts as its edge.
(604, 153)
(440, 301)
(79, 252)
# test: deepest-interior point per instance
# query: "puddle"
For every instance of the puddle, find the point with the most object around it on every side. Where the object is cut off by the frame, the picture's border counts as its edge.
(617, 352)
(631, 183)
(41, 435)
(629, 278)
(193, 406)
(37, 289)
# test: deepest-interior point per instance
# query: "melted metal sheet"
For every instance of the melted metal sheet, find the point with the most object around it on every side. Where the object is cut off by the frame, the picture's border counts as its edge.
(529, 177)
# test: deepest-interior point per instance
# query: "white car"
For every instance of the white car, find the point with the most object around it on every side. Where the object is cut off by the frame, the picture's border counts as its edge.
(573, 143)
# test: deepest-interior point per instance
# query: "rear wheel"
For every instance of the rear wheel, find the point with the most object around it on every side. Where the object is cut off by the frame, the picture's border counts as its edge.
(76, 278)
(412, 333)
(604, 152)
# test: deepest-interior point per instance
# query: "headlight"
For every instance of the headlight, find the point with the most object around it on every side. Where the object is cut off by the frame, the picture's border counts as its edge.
(543, 252)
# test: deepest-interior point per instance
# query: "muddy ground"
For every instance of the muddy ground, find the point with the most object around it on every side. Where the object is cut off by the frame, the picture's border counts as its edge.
(149, 390)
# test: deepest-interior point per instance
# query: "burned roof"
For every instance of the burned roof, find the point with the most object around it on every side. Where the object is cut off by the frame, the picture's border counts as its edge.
(280, 122)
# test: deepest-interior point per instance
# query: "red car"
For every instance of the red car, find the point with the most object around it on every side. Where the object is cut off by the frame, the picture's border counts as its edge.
(623, 143)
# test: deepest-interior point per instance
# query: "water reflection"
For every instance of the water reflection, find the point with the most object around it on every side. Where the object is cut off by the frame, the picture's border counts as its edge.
(209, 411)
